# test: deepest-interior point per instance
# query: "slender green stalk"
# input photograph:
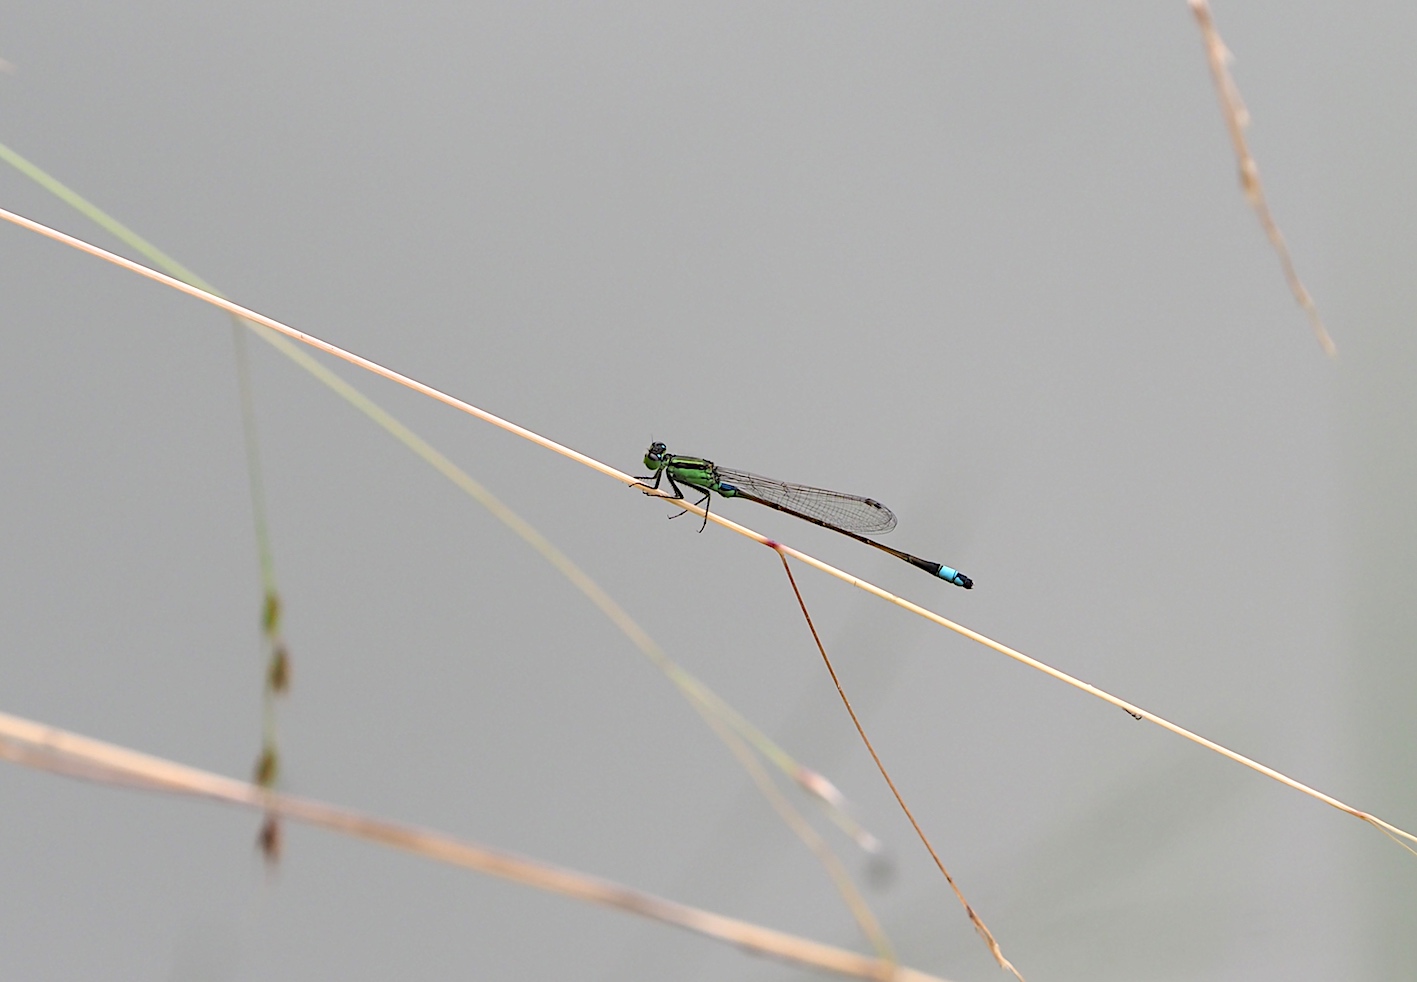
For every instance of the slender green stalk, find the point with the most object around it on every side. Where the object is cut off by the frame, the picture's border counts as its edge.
(704, 699)
(276, 680)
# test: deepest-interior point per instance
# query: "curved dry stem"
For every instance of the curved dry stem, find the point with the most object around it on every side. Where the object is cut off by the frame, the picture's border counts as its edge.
(743, 530)
(44, 747)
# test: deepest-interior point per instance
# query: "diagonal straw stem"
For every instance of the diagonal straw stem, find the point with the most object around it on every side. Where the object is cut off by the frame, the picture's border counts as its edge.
(703, 699)
(1392, 831)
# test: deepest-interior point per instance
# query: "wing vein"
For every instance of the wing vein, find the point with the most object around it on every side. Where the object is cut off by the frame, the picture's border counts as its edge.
(848, 511)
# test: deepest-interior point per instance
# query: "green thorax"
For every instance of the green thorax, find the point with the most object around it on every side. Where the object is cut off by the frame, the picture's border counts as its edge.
(694, 471)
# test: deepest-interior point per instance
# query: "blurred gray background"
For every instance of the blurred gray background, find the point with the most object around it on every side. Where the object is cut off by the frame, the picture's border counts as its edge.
(987, 263)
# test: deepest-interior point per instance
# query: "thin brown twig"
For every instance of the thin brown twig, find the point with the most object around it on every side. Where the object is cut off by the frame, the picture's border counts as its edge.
(1237, 119)
(974, 917)
(48, 748)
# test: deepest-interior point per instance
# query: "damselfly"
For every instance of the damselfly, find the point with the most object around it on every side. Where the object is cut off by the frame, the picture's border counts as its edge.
(849, 514)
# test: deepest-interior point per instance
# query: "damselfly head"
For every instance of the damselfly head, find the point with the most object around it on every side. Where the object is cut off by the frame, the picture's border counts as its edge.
(656, 456)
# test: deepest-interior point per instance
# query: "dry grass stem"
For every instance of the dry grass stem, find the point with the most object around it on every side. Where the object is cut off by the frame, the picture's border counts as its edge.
(1237, 120)
(707, 703)
(1003, 649)
(48, 748)
(974, 917)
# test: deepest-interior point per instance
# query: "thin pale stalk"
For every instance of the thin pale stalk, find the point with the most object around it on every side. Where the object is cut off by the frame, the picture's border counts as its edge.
(743, 530)
(705, 700)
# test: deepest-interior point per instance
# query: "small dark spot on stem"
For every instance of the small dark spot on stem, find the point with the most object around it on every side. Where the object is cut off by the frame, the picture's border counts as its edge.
(278, 672)
(270, 613)
(267, 766)
(269, 839)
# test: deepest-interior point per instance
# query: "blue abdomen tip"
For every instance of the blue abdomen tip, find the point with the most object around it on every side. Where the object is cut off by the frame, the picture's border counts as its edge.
(956, 577)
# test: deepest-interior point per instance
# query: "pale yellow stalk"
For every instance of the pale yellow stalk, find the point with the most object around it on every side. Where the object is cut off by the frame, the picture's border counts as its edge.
(1392, 831)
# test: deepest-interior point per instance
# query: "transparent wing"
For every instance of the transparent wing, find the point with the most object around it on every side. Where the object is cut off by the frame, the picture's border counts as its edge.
(849, 511)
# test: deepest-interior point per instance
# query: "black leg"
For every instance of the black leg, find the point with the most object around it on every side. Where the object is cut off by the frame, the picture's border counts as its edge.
(705, 503)
(678, 493)
(655, 486)
(702, 502)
